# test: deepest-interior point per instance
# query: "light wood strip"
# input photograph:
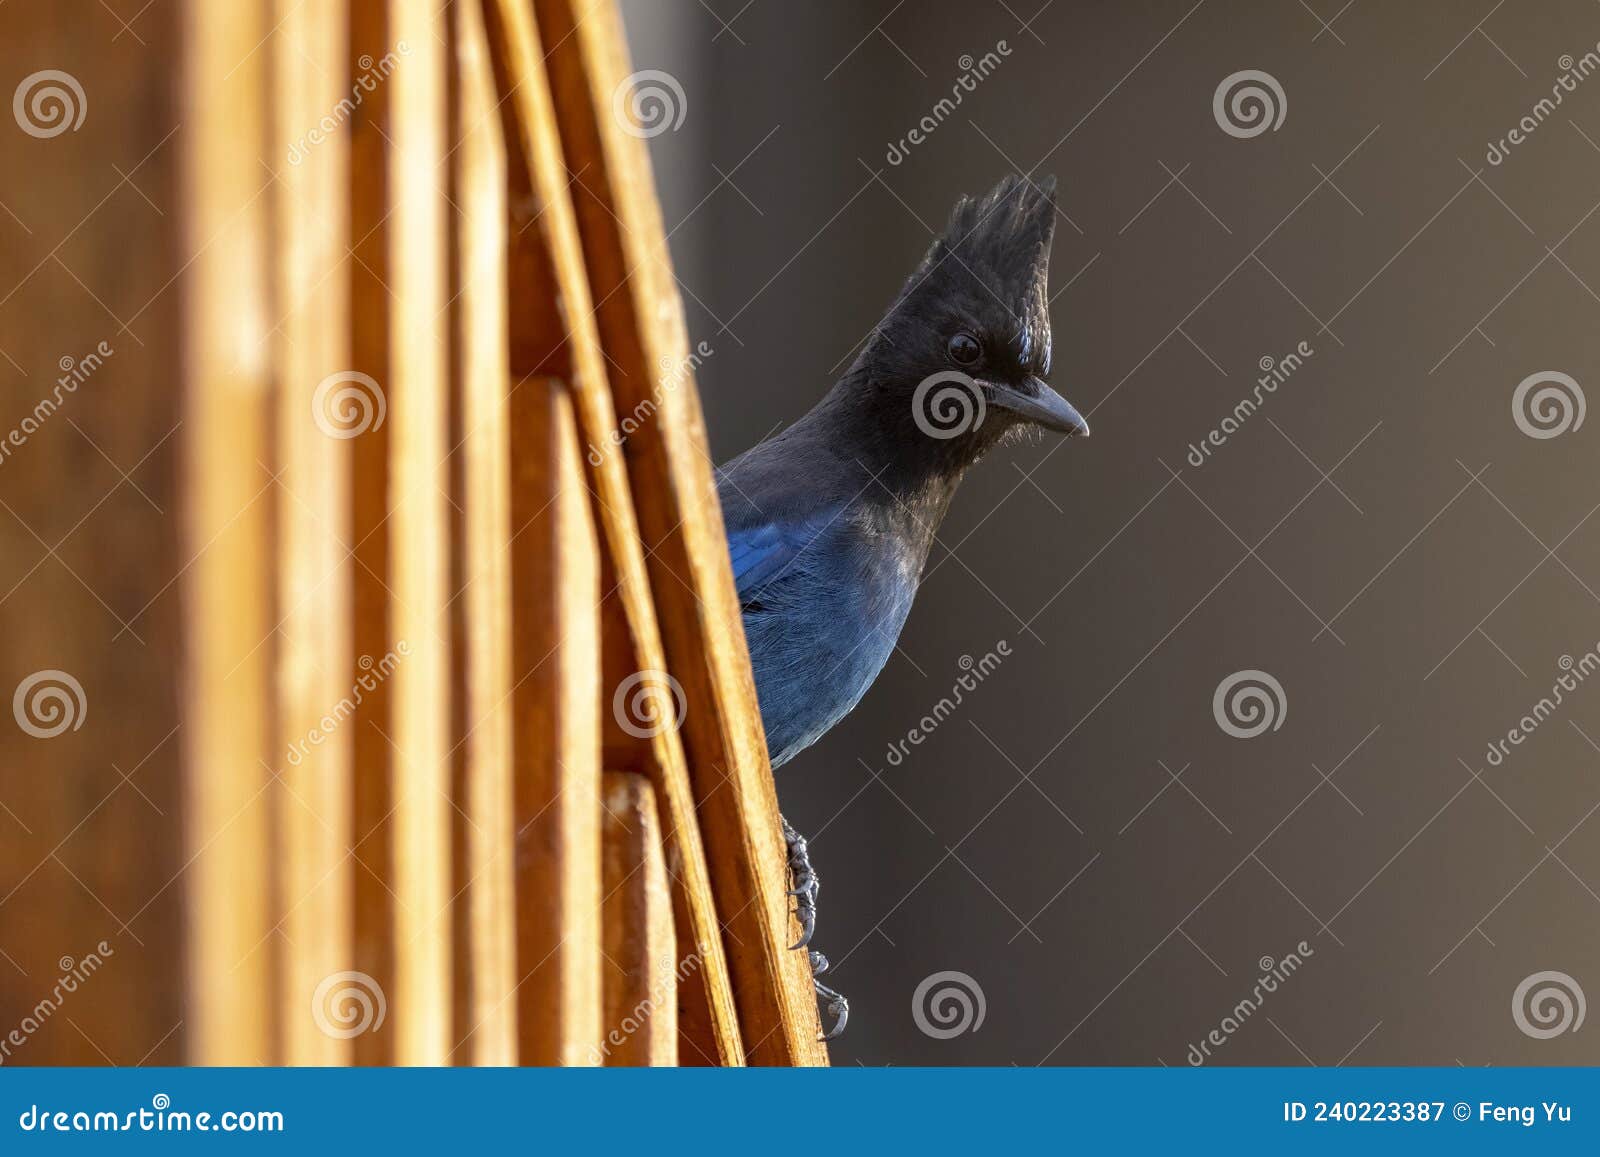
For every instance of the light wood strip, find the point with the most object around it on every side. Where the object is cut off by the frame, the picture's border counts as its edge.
(555, 635)
(490, 1035)
(418, 377)
(317, 678)
(640, 317)
(227, 349)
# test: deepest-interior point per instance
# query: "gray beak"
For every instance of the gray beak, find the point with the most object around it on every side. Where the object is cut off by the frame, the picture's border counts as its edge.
(1043, 407)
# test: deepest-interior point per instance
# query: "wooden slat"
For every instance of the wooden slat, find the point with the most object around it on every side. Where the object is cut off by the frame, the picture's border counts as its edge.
(641, 967)
(489, 1036)
(418, 376)
(373, 753)
(646, 344)
(227, 391)
(553, 332)
(555, 633)
(315, 670)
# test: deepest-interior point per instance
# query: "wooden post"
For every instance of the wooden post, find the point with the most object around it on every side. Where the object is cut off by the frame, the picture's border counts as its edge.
(641, 967)
(418, 377)
(555, 634)
(374, 756)
(316, 674)
(227, 350)
(489, 1036)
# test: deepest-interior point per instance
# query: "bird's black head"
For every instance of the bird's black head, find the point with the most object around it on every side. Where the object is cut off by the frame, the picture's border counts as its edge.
(964, 353)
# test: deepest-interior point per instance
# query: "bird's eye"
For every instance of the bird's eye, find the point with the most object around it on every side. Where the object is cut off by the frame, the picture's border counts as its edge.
(963, 349)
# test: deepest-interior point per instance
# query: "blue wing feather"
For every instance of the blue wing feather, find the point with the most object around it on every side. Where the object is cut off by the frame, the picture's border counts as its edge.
(770, 552)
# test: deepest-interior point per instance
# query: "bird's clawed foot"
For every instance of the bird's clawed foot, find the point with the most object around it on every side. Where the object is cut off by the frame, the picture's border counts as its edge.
(806, 884)
(806, 887)
(838, 1005)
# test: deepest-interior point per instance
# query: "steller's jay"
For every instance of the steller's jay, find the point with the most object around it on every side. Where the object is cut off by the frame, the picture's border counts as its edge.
(830, 522)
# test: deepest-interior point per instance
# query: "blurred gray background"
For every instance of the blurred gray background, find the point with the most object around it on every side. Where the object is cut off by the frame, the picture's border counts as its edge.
(1082, 839)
